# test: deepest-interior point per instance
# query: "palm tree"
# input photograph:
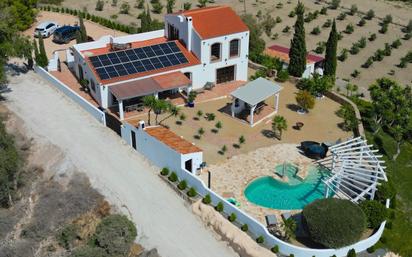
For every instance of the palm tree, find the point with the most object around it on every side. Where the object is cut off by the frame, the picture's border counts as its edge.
(173, 110)
(149, 102)
(279, 124)
(159, 107)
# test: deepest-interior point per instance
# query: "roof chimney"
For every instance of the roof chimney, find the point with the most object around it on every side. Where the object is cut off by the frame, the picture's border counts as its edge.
(189, 33)
(141, 125)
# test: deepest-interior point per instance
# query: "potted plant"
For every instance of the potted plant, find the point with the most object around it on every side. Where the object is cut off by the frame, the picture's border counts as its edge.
(191, 99)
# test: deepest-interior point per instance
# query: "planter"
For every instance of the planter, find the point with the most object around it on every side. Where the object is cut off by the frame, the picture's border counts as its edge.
(191, 104)
(301, 111)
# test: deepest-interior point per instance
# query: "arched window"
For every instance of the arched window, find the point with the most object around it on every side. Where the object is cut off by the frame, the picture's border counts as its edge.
(215, 52)
(234, 48)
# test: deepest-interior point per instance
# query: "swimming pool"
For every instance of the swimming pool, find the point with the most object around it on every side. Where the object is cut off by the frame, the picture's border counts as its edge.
(292, 195)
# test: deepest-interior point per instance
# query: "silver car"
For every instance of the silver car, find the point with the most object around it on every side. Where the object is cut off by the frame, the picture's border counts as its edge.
(45, 29)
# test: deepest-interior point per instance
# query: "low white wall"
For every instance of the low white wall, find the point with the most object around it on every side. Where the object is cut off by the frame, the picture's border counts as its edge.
(95, 112)
(256, 228)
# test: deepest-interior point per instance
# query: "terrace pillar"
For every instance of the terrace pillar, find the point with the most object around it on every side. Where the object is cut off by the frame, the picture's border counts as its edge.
(277, 102)
(233, 107)
(252, 110)
(121, 112)
(156, 95)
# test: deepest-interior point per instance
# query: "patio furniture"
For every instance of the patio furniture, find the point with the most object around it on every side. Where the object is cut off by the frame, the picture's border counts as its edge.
(271, 220)
(299, 125)
(286, 215)
(135, 107)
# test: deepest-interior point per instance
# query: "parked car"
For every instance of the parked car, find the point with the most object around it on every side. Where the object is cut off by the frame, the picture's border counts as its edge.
(45, 29)
(65, 34)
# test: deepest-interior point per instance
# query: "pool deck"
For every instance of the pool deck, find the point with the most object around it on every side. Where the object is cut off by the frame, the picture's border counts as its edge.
(231, 177)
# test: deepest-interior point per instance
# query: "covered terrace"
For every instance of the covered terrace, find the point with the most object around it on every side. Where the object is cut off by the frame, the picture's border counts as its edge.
(130, 94)
(249, 100)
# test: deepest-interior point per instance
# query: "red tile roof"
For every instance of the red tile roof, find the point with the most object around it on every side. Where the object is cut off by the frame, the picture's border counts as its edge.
(192, 59)
(172, 140)
(215, 21)
(282, 53)
(150, 85)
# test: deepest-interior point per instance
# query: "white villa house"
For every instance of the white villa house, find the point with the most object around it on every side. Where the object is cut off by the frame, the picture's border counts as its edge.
(196, 48)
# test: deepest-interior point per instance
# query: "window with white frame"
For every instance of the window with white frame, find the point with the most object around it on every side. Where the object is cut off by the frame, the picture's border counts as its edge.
(234, 48)
(215, 52)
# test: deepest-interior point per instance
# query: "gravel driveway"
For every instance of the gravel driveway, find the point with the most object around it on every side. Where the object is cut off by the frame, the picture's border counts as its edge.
(124, 177)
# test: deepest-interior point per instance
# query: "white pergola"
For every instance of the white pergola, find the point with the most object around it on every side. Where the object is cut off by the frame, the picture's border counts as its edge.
(355, 168)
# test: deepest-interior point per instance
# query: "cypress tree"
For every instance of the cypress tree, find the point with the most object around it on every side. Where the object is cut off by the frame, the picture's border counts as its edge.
(36, 50)
(297, 53)
(83, 32)
(42, 59)
(330, 56)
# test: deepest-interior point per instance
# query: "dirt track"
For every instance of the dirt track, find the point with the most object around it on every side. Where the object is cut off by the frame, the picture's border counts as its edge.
(121, 175)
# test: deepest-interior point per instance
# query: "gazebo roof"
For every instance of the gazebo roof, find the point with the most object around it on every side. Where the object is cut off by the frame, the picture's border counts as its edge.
(256, 91)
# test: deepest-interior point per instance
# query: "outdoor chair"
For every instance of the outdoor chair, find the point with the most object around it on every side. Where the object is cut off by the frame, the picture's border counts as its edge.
(271, 220)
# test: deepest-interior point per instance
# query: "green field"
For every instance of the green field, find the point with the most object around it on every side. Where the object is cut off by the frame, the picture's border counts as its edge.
(399, 237)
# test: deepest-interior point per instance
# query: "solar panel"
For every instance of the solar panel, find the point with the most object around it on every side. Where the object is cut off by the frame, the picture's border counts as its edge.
(132, 61)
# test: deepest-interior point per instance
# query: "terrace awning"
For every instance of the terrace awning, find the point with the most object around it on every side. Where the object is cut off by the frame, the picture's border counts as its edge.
(256, 91)
(150, 85)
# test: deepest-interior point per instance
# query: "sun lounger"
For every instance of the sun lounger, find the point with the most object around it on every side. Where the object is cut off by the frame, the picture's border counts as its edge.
(286, 215)
(271, 220)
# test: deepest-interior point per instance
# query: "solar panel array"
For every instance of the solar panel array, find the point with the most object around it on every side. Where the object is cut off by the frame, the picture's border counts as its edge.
(137, 60)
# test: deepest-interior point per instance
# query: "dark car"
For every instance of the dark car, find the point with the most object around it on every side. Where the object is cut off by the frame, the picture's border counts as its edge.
(314, 149)
(65, 34)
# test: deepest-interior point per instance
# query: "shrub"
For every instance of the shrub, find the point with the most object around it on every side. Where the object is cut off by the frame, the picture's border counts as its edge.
(372, 37)
(99, 5)
(210, 116)
(275, 249)
(343, 55)
(387, 19)
(278, 19)
(346, 222)
(187, 6)
(125, 8)
(341, 16)
(157, 7)
(182, 185)
(324, 11)
(378, 56)
(282, 75)
(327, 23)
(260, 240)
(244, 227)
(173, 177)
(351, 253)
(232, 217)
(165, 171)
(388, 50)
(286, 29)
(292, 14)
(349, 29)
(371, 249)
(353, 9)
(407, 36)
(384, 28)
(115, 234)
(192, 192)
(315, 31)
(334, 4)
(354, 49)
(67, 235)
(320, 48)
(370, 14)
(362, 22)
(386, 190)
(362, 42)
(207, 199)
(219, 207)
(375, 212)
(396, 44)
(355, 73)
(368, 63)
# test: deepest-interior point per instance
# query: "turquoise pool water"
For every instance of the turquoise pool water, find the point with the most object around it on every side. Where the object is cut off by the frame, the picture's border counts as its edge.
(293, 195)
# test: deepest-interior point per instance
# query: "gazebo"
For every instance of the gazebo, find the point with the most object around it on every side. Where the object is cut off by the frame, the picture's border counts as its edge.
(252, 95)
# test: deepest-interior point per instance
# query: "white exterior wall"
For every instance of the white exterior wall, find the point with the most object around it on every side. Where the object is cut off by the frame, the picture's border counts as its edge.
(159, 153)
(240, 62)
(310, 69)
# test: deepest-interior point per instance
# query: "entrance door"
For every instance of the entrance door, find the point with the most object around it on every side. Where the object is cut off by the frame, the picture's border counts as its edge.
(225, 74)
(188, 165)
(134, 139)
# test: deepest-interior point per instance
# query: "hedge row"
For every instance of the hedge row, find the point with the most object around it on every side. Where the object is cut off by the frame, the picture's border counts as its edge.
(97, 19)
